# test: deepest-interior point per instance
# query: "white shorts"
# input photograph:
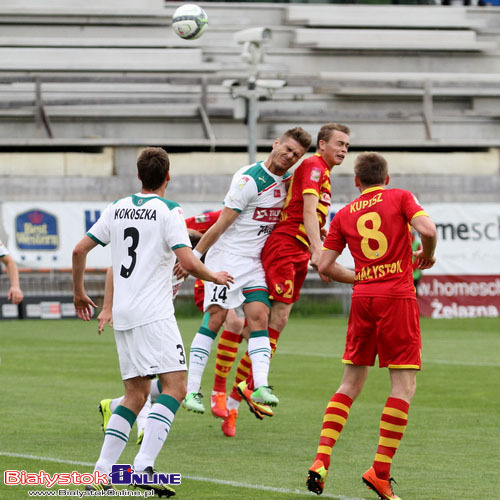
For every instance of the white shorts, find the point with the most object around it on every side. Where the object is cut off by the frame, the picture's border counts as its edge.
(150, 349)
(249, 280)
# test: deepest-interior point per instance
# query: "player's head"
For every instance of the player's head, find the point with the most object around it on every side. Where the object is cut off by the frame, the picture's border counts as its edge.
(153, 168)
(332, 143)
(288, 149)
(370, 169)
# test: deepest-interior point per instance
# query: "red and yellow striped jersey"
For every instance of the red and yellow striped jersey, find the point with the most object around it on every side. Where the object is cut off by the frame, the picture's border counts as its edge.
(375, 226)
(311, 176)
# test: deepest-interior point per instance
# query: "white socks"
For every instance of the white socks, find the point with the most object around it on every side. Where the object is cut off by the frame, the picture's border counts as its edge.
(198, 358)
(115, 438)
(259, 351)
(157, 427)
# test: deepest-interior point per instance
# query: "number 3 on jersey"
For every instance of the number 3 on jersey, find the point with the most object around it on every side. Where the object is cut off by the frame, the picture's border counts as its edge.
(372, 233)
(220, 294)
(130, 232)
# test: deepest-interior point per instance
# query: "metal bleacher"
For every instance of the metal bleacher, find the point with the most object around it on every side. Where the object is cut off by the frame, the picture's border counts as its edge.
(84, 75)
(111, 73)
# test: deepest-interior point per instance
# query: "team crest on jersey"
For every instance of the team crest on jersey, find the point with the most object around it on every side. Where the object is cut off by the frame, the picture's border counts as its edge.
(325, 197)
(278, 288)
(266, 214)
(242, 182)
(315, 174)
(277, 193)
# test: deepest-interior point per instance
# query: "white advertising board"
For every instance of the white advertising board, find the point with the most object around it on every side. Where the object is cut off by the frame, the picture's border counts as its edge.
(43, 234)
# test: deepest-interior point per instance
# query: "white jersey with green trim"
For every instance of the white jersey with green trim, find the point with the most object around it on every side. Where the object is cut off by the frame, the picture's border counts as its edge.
(143, 231)
(258, 195)
(3, 250)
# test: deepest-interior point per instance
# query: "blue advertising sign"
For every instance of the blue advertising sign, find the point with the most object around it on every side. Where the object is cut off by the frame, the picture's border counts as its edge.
(37, 230)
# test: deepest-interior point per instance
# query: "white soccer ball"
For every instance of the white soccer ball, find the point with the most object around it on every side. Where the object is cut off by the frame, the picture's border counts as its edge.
(189, 21)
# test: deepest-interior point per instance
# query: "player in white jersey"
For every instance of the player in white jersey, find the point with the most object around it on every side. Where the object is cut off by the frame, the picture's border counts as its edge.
(107, 406)
(251, 209)
(15, 294)
(146, 233)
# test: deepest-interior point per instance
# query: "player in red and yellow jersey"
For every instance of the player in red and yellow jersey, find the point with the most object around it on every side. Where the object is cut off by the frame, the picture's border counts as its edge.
(296, 239)
(384, 318)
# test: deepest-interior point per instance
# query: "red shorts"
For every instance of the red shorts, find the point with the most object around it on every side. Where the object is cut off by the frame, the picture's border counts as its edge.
(199, 294)
(387, 326)
(285, 261)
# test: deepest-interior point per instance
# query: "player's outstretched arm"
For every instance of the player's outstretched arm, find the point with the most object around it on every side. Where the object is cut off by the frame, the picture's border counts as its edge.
(83, 303)
(106, 314)
(329, 267)
(194, 266)
(15, 293)
(226, 218)
(428, 235)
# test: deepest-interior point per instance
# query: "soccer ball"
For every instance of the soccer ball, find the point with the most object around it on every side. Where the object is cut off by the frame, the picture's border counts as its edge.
(189, 21)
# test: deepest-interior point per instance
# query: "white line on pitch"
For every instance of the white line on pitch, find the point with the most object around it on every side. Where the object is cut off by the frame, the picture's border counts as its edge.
(424, 361)
(192, 478)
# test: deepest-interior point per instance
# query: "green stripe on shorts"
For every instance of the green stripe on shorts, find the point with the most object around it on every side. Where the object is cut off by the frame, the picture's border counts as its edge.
(257, 295)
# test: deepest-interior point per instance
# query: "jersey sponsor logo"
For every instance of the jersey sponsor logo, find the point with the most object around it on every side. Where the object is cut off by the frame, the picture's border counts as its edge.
(374, 272)
(265, 230)
(37, 230)
(355, 206)
(266, 214)
(277, 193)
(315, 174)
(135, 213)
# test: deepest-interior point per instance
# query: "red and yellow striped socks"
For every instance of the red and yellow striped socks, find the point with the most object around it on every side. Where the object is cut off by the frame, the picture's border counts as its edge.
(244, 368)
(392, 427)
(227, 350)
(335, 417)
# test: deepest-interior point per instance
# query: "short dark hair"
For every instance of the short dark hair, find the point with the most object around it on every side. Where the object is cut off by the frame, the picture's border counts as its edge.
(194, 238)
(152, 166)
(300, 135)
(371, 169)
(326, 131)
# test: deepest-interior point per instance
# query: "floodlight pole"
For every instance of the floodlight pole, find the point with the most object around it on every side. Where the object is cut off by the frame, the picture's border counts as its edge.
(252, 115)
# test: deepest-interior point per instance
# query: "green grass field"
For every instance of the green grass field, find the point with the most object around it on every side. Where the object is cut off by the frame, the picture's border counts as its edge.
(53, 374)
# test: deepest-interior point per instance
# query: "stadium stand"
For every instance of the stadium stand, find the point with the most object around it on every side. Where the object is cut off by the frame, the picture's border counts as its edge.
(113, 74)
(110, 75)
(380, 16)
(390, 39)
